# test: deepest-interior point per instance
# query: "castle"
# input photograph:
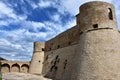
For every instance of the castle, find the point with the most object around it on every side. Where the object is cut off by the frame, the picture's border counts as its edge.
(87, 51)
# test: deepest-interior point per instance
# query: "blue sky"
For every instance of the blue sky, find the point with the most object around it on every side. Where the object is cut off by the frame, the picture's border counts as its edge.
(23, 22)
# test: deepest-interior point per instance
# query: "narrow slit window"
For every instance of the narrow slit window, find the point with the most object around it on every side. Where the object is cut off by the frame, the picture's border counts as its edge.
(81, 32)
(110, 15)
(39, 61)
(69, 43)
(95, 26)
(43, 49)
(58, 46)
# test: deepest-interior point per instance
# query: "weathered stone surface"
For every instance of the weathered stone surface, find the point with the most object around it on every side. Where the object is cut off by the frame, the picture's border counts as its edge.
(14, 66)
(37, 58)
(87, 51)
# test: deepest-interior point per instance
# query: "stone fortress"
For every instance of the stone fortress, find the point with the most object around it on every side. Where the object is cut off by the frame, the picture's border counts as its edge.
(87, 51)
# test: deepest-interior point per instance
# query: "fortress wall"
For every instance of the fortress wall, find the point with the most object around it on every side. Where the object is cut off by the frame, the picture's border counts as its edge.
(98, 52)
(98, 56)
(58, 64)
(59, 54)
(69, 37)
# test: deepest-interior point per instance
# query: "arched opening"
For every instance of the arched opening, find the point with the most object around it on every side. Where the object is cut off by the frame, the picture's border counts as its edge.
(15, 68)
(110, 15)
(25, 68)
(5, 68)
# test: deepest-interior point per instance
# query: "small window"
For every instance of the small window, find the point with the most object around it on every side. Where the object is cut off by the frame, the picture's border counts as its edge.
(95, 25)
(58, 46)
(43, 49)
(81, 32)
(69, 43)
(110, 15)
(39, 61)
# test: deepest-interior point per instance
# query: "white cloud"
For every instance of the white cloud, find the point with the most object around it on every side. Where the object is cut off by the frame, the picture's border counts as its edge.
(5, 10)
(7, 45)
(44, 4)
(3, 23)
(72, 6)
(36, 25)
(8, 15)
(71, 23)
(56, 17)
(41, 4)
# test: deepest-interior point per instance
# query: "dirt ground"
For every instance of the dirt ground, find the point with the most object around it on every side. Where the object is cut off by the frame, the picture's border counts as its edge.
(21, 76)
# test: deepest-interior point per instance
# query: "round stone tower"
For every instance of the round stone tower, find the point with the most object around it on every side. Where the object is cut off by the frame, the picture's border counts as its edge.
(98, 55)
(37, 58)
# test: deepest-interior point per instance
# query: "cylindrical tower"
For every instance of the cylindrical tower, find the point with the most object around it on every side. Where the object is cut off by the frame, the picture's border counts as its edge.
(37, 58)
(98, 55)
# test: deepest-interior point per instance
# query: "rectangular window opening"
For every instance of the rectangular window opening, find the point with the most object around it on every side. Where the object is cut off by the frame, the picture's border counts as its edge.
(95, 26)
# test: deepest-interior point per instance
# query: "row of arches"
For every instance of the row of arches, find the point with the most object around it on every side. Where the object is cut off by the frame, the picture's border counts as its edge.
(14, 68)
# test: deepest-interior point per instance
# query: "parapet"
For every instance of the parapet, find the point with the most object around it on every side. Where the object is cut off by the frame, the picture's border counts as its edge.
(67, 38)
(95, 4)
